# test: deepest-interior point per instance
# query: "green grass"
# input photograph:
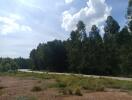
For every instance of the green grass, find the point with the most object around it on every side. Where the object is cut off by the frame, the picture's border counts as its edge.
(76, 84)
(25, 98)
(93, 84)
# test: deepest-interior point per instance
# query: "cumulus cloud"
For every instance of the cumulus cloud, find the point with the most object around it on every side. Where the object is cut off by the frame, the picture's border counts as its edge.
(68, 1)
(10, 25)
(95, 12)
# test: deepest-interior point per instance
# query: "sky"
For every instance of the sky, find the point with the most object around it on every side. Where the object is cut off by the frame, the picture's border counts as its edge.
(26, 23)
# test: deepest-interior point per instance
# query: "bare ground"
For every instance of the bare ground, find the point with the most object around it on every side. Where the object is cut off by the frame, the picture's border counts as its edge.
(12, 87)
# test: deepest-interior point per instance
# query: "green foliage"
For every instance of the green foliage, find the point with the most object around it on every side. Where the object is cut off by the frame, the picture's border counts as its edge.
(74, 47)
(50, 56)
(23, 63)
(8, 64)
(111, 27)
(92, 54)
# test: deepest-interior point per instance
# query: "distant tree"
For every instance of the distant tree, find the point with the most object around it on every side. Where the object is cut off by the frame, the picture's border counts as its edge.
(124, 40)
(111, 26)
(50, 56)
(123, 37)
(82, 30)
(110, 55)
(56, 56)
(8, 64)
(96, 51)
(23, 63)
(130, 25)
(74, 47)
(110, 46)
(34, 60)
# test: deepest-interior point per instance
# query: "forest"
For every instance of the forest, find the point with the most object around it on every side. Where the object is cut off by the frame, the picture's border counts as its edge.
(83, 52)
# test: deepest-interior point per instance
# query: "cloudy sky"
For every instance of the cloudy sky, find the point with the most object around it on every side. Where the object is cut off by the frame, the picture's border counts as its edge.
(26, 23)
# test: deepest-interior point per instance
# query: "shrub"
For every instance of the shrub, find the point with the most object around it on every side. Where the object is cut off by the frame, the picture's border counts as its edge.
(36, 89)
(78, 92)
(70, 91)
(2, 87)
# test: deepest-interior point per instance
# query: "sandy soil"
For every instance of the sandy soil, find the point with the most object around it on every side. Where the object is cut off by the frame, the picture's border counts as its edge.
(11, 88)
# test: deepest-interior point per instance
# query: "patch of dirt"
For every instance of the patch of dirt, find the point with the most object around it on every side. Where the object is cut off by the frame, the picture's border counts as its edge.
(15, 87)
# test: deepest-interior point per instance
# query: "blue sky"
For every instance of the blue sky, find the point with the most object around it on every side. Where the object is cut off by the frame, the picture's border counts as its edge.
(26, 23)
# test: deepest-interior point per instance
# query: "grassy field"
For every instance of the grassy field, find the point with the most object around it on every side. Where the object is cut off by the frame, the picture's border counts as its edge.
(76, 83)
(65, 85)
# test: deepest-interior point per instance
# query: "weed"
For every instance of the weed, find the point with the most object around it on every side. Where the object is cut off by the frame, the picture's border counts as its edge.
(36, 89)
(78, 92)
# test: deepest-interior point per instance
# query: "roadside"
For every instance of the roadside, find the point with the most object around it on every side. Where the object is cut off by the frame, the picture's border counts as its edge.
(93, 76)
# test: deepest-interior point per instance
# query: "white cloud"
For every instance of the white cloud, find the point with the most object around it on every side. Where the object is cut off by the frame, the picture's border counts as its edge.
(95, 12)
(29, 3)
(68, 1)
(10, 25)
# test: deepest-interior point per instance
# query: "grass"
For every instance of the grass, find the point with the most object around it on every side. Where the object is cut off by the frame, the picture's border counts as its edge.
(74, 85)
(93, 84)
(25, 98)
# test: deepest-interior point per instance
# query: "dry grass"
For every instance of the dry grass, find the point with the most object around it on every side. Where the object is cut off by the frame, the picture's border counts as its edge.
(60, 87)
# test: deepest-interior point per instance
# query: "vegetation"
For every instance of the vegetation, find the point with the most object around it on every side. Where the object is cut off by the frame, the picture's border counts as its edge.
(8, 64)
(25, 98)
(88, 53)
(85, 53)
(36, 89)
(72, 84)
(11, 65)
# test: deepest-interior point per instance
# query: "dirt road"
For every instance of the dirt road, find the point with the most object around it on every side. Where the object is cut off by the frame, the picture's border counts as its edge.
(94, 76)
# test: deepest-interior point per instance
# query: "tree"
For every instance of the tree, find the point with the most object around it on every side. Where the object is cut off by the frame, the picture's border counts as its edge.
(130, 25)
(123, 37)
(124, 40)
(8, 64)
(74, 47)
(110, 55)
(50, 56)
(33, 58)
(110, 46)
(23, 63)
(95, 51)
(81, 30)
(111, 26)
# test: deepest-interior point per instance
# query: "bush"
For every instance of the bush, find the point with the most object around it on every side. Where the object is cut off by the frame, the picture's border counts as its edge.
(70, 91)
(36, 89)
(2, 87)
(78, 92)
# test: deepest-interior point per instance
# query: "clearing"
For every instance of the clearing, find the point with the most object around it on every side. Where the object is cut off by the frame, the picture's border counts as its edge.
(23, 86)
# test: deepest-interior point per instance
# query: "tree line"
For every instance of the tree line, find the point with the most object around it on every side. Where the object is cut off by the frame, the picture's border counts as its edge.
(82, 52)
(12, 65)
(88, 53)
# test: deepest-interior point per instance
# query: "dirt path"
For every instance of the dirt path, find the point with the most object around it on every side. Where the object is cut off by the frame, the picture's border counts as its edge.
(12, 87)
(94, 76)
